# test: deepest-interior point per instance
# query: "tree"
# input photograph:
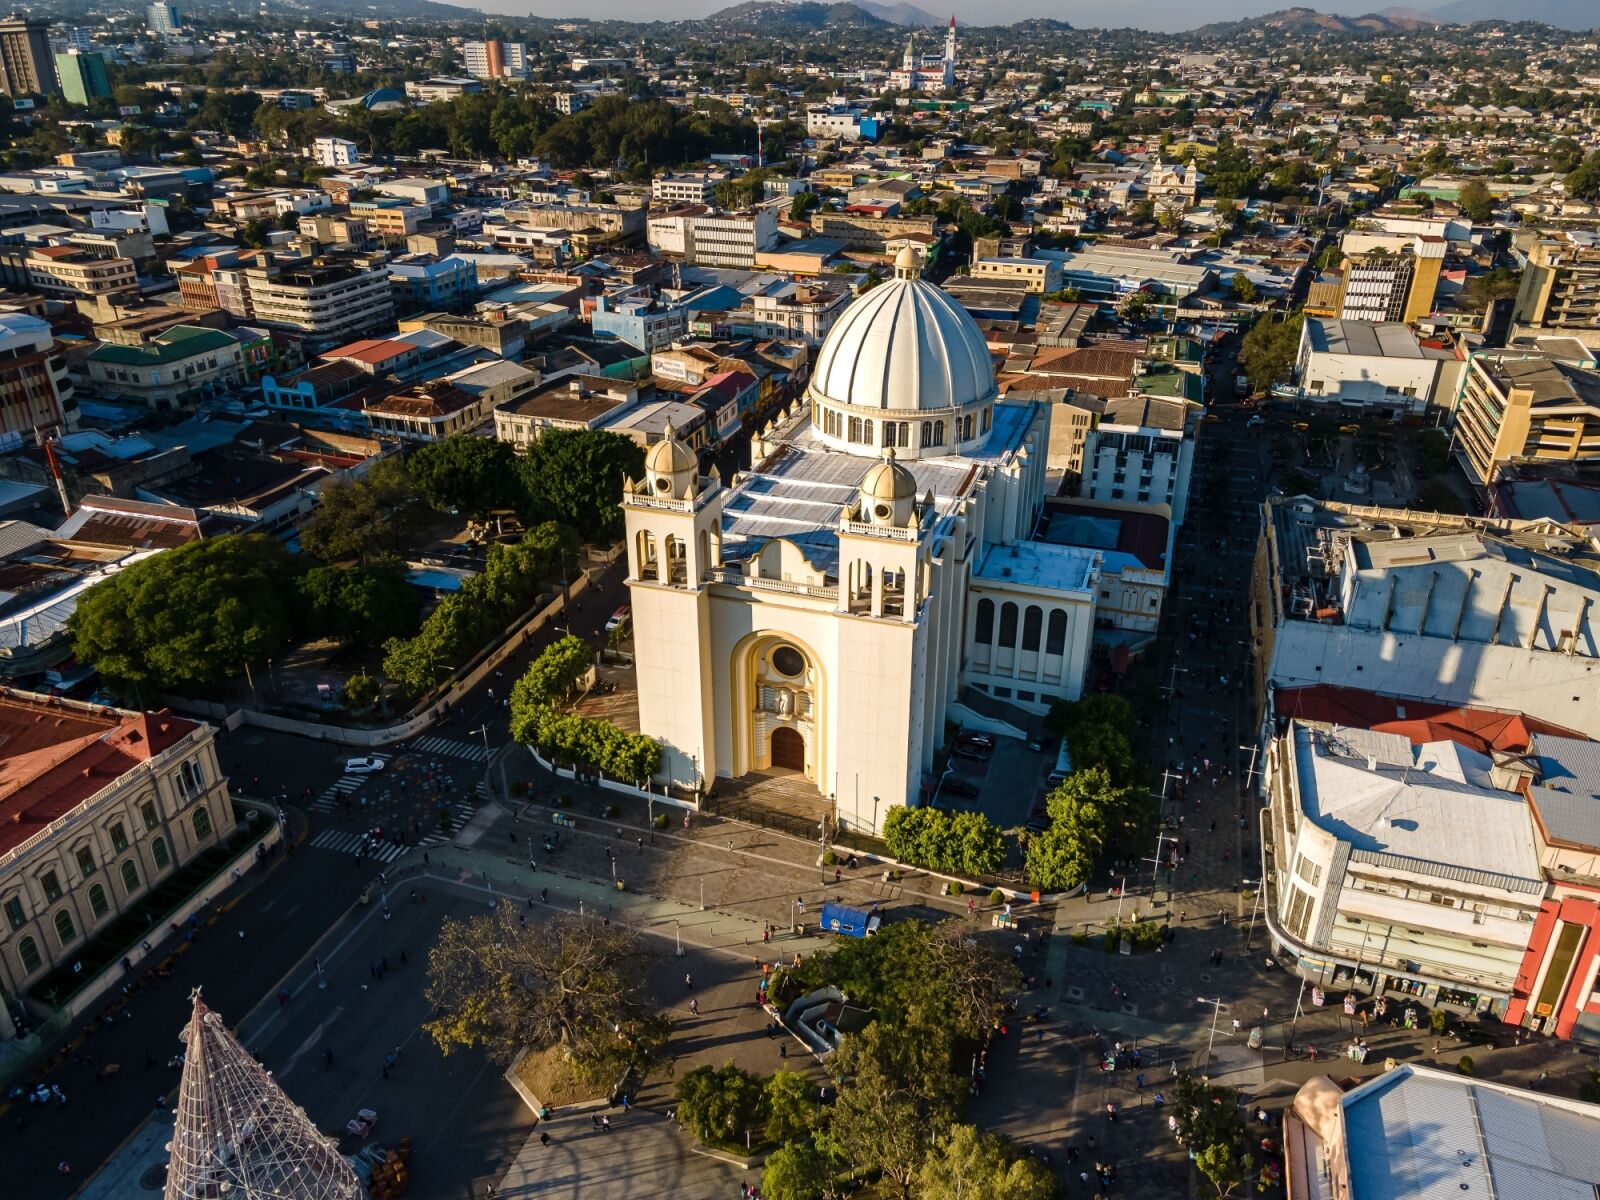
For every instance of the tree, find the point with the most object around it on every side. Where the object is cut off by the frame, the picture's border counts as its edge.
(1226, 1171)
(502, 984)
(896, 1092)
(968, 1162)
(190, 616)
(1498, 284)
(550, 677)
(1058, 860)
(1583, 181)
(575, 477)
(721, 1105)
(1438, 496)
(1269, 350)
(962, 843)
(360, 691)
(373, 517)
(365, 605)
(1475, 201)
(790, 1106)
(1242, 289)
(804, 204)
(798, 1171)
(1087, 813)
(467, 474)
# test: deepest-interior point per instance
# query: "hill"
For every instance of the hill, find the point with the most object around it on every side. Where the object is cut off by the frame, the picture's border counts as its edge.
(1561, 14)
(778, 18)
(902, 13)
(1309, 20)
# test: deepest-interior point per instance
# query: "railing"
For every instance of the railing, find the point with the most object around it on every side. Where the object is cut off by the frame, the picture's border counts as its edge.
(739, 579)
(659, 502)
(891, 532)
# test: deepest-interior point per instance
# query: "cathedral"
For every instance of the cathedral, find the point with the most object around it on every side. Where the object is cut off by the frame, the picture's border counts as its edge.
(828, 613)
(927, 72)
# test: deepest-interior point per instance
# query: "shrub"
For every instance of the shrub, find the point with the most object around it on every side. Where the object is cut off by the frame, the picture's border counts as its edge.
(997, 897)
(953, 889)
(829, 858)
(662, 821)
(1465, 1065)
(1438, 1020)
(1080, 938)
(959, 843)
(612, 812)
(719, 1104)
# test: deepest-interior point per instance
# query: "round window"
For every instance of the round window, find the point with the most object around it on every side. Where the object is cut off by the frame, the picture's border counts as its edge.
(882, 512)
(786, 660)
(663, 485)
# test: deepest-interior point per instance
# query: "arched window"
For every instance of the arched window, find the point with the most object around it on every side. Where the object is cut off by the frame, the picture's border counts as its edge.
(927, 433)
(97, 901)
(1008, 624)
(677, 559)
(202, 823)
(985, 633)
(866, 432)
(158, 850)
(66, 931)
(85, 862)
(28, 952)
(988, 419)
(1055, 638)
(647, 554)
(1032, 622)
(130, 877)
(938, 433)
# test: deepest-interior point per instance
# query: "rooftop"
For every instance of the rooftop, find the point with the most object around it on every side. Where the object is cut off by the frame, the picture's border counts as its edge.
(176, 344)
(1388, 339)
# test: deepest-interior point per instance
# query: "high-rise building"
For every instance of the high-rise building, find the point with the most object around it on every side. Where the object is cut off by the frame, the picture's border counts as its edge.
(83, 76)
(1518, 408)
(81, 39)
(33, 377)
(1559, 292)
(164, 19)
(26, 64)
(1384, 284)
(495, 60)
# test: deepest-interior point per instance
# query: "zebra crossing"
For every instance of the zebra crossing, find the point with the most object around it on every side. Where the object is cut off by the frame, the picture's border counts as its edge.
(460, 814)
(335, 791)
(341, 842)
(451, 747)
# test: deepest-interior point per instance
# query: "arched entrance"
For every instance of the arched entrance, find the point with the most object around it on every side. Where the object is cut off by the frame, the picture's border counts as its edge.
(788, 749)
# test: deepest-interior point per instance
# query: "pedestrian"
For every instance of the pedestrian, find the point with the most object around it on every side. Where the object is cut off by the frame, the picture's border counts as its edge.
(694, 1006)
(836, 875)
(605, 1124)
(544, 1139)
(783, 1049)
(544, 895)
(1139, 1081)
(1111, 1112)
(688, 981)
(766, 934)
(624, 1100)
(64, 1167)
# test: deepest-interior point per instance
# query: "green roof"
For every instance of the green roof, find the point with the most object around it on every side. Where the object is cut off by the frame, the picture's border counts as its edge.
(175, 345)
(1171, 384)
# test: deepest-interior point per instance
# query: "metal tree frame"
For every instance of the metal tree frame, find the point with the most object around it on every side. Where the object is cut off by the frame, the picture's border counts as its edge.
(238, 1135)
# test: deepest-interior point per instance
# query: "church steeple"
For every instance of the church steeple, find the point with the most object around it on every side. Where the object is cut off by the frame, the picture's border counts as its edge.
(909, 62)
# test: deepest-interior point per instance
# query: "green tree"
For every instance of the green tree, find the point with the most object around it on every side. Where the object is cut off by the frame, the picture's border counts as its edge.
(1583, 181)
(467, 474)
(360, 691)
(1058, 860)
(798, 1171)
(1498, 284)
(575, 477)
(968, 1162)
(1241, 289)
(1226, 1170)
(1434, 447)
(1475, 201)
(962, 843)
(1269, 350)
(720, 1105)
(804, 204)
(364, 605)
(790, 1106)
(190, 616)
(896, 1092)
(551, 676)
(1438, 496)
(376, 516)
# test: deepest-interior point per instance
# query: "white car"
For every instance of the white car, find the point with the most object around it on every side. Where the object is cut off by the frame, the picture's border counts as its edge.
(364, 766)
(1255, 422)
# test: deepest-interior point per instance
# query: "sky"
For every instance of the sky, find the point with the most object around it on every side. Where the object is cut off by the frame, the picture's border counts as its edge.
(1143, 14)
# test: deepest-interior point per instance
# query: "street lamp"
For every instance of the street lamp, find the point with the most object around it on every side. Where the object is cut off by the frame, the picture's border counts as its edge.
(483, 729)
(1216, 1009)
(794, 923)
(677, 937)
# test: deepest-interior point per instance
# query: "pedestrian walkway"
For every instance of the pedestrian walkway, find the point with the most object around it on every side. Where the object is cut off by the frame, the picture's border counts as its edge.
(460, 814)
(451, 747)
(343, 842)
(336, 791)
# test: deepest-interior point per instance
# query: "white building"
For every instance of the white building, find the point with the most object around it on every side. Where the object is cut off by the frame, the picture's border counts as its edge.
(802, 312)
(163, 20)
(927, 72)
(835, 121)
(1364, 367)
(495, 60)
(715, 238)
(334, 152)
(1399, 868)
(694, 187)
(1141, 452)
(817, 617)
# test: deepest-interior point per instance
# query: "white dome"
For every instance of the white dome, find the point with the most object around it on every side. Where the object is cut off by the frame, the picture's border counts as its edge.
(905, 346)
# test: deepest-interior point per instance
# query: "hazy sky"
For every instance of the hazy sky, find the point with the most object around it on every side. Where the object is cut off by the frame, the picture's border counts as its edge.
(1145, 14)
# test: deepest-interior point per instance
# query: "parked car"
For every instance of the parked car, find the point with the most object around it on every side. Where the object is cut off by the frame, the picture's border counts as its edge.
(970, 752)
(619, 618)
(1039, 745)
(366, 765)
(984, 740)
(955, 785)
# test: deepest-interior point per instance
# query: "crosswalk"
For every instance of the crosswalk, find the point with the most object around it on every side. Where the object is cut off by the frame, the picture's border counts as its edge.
(460, 814)
(342, 842)
(336, 791)
(451, 747)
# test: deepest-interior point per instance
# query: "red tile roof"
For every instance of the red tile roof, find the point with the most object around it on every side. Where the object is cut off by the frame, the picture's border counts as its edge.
(1481, 729)
(54, 756)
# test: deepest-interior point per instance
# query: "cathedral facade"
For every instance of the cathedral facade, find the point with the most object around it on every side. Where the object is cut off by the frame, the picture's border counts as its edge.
(927, 72)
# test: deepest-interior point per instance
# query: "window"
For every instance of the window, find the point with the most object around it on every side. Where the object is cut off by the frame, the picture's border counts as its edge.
(1026, 697)
(1032, 621)
(1309, 871)
(202, 823)
(158, 850)
(191, 778)
(85, 861)
(97, 901)
(66, 931)
(1299, 912)
(1008, 624)
(130, 877)
(28, 952)
(15, 916)
(147, 811)
(51, 886)
(119, 838)
(1055, 638)
(985, 632)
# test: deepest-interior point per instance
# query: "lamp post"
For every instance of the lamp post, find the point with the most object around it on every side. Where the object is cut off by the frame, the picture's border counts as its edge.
(483, 729)
(1216, 1009)
(677, 937)
(794, 923)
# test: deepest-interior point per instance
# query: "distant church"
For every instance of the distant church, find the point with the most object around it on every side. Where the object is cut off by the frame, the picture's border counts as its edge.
(927, 72)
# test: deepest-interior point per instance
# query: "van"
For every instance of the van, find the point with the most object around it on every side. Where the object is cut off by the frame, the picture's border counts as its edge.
(1063, 768)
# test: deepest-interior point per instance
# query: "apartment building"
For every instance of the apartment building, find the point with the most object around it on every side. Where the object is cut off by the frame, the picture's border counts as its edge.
(427, 282)
(695, 187)
(102, 806)
(1383, 282)
(163, 20)
(181, 367)
(390, 218)
(34, 389)
(714, 238)
(1041, 275)
(1560, 289)
(1141, 452)
(1394, 867)
(68, 273)
(495, 60)
(640, 320)
(326, 300)
(26, 64)
(83, 76)
(1515, 408)
(334, 152)
(800, 312)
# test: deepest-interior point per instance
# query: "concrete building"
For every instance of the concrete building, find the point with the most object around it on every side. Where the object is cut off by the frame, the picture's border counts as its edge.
(163, 20)
(183, 366)
(714, 238)
(102, 806)
(927, 72)
(692, 187)
(810, 628)
(68, 273)
(1380, 369)
(83, 76)
(1560, 291)
(1041, 275)
(1394, 868)
(327, 300)
(27, 65)
(441, 87)
(1515, 409)
(1384, 282)
(34, 389)
(426, 412)
(431, 282)
(334, 152)
(844, 123)
(572, 402)
(495, 60)
(1141, 452)
(640, 320)
(390, 217)
(801, 312)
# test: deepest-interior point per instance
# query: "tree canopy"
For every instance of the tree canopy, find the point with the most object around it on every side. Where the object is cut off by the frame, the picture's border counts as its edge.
(968, 1162)
(575, 477)
(376, 516)
(471, 475)
(1268, 351)
(364, 605)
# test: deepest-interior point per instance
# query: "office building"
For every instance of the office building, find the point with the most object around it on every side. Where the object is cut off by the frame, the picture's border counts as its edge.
(1391, 283)
(496, 60)
(1141, 452)
(694, 187)
(328, 300)
(33, 376)
(164, 20)
(27, 66)
(83, 76)
(1382, 369)
(1560, 290)
(334, 152)
(1516, 408)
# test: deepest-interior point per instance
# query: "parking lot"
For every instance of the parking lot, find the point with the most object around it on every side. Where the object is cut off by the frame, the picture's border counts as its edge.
(1010, 783)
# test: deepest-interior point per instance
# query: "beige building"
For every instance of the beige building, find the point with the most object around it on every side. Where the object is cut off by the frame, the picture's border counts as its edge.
(329, 300)
(1040, 274)
(1526, 408)
(426, 412)
(97, 807)
(1561, 289)
(571, 402)
(68, 273)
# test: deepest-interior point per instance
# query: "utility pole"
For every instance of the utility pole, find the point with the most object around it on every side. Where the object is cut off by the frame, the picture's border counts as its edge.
(1216, 1010)
(1250, 771)
(1156, 860)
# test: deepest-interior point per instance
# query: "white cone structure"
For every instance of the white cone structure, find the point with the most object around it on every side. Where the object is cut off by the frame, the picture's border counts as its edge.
(238, 1136)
